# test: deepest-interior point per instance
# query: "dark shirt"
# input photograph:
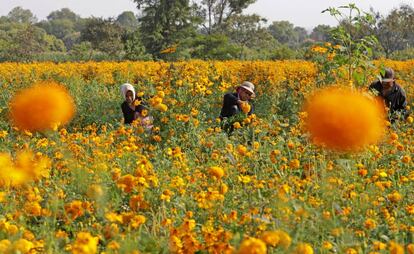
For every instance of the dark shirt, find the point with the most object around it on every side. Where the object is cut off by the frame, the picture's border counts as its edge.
(129, 114)
(230, 106)
(395, 100)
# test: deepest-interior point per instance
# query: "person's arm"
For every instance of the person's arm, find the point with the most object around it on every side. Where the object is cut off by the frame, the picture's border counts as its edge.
(230, 100)
(403, 104)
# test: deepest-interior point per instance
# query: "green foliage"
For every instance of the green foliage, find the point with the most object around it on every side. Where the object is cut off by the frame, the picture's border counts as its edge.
(284, 52)
(104, 35)
(321, 33)
(205, 29)
(127, 21)
(24, 41)
(247, 31)
(134, 48)
(403, 55)
(354, 52)
(20, 15)
(166, 24)
(214, 46)
(216, 13)
(286, 33)
(395, 32)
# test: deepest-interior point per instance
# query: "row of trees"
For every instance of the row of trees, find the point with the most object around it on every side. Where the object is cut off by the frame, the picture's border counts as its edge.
(171, 30)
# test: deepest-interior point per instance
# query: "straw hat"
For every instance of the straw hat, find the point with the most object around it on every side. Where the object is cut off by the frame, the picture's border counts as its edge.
(248, 86)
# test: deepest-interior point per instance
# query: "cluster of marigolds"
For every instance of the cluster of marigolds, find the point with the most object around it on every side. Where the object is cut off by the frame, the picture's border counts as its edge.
(188, 187)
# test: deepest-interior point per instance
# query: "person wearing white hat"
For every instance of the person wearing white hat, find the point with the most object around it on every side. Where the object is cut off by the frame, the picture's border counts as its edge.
(129, 109)
(232, 102)
(393, 94)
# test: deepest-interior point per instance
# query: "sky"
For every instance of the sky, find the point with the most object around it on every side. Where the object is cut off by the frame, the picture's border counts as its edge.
(304, 13)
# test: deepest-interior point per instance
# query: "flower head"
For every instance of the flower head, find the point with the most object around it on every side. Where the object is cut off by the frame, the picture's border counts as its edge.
(343, 119)
(44, 106)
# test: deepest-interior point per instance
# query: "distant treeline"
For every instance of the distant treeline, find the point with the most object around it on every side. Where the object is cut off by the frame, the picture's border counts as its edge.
(178, 30)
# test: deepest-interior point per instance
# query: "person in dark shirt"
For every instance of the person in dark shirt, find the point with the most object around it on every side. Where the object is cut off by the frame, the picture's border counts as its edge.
(131, 107)
(392, 94)
(232, 102)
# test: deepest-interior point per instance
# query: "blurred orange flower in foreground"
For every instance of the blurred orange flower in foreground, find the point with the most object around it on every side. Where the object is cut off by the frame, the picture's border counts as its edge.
(44, 106)
(343, 119)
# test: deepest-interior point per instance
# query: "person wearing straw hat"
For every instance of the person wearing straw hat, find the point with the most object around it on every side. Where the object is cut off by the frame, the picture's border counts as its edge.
(393, 94)
(232, 102)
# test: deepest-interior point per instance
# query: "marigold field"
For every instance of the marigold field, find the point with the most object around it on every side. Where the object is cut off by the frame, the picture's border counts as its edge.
(98, 186)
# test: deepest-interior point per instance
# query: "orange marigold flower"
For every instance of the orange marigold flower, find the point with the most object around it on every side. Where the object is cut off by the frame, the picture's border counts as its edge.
(271, 238)
(303, 248)
(344, 120)
(85, 243)
(252, 246)
(370, 223)
(217, 172)
(410, 248)
(396, 248)
(245, 107)
(44, 106)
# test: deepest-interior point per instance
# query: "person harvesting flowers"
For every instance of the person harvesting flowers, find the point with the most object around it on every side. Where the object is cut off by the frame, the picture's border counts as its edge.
(234, 103)
(392, 94)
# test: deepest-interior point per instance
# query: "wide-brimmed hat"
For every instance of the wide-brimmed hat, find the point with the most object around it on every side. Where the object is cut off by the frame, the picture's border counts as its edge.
(248, 86)
(388, 75)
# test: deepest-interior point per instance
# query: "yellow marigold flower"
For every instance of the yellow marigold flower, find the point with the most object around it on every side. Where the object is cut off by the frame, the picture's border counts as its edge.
(370, 224)
(351, 251)
(319, 49)
(242, 149)
(4, 245)
(113, 245)
(252, 246)
(126, 183)
(137, 102)
(3, 134)
(137, 221)
(161, 107)
(245, 107)
(410, 119)
(85, 243)
(343, 119)
(22, 246)
(377, 245)
(410, 209)
(42, 107)
(270, 238)
(396, 248)
(236, 125)
(327, 245)
(33, 209)
(303, 248)
(74, 209)
(94, 191)
(395, 197)
(284, 237)
(217, 172)
(61, 234)
(406, 159)
(410, 248)
(294, 164)
(9, 175)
